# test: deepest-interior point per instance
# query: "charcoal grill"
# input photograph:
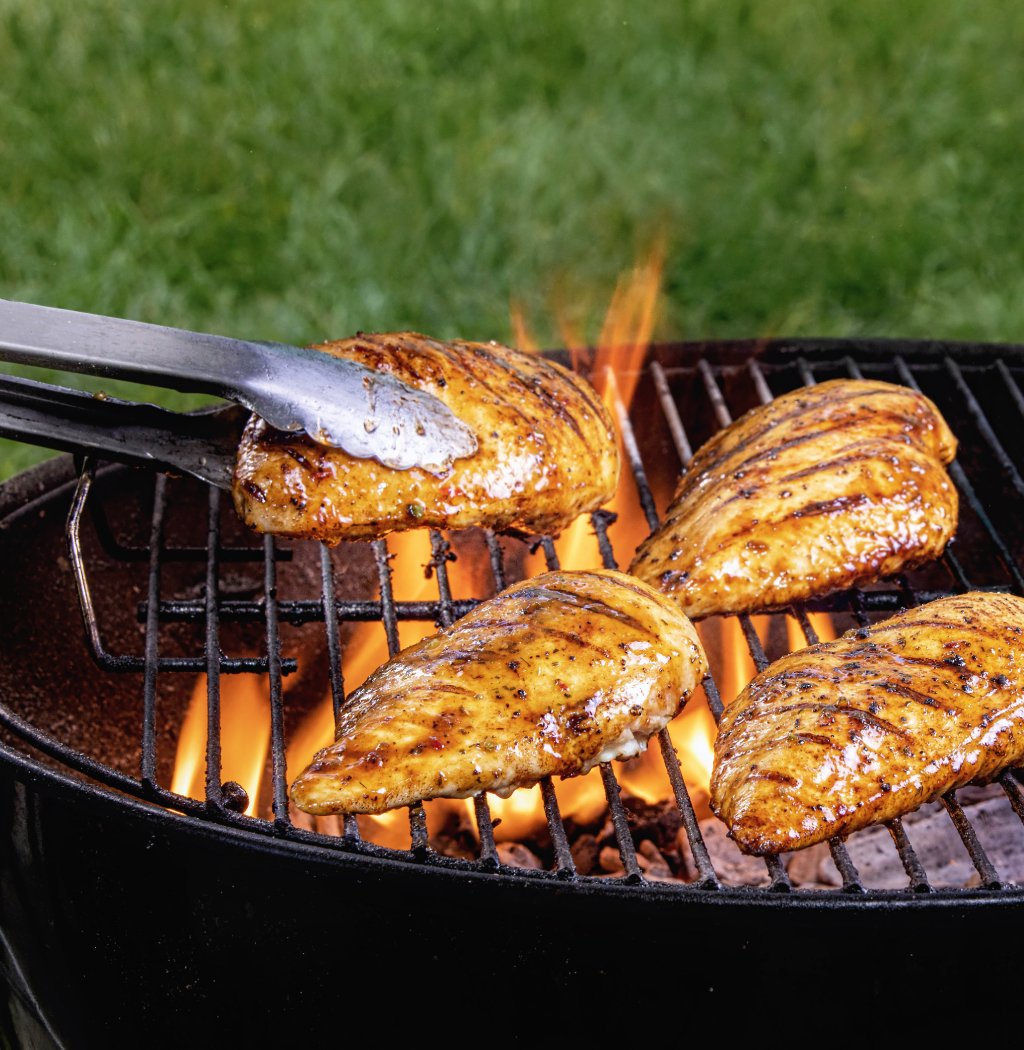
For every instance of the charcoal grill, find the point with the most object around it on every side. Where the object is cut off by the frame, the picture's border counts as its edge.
(126, 906)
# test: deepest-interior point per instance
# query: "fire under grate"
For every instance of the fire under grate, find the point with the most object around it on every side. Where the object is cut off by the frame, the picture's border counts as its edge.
(978, 390)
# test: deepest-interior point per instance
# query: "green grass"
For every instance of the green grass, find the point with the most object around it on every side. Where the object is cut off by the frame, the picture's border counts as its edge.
(297, 170)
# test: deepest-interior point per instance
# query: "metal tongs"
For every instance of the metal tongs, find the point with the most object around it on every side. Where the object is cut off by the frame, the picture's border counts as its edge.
(336, 402)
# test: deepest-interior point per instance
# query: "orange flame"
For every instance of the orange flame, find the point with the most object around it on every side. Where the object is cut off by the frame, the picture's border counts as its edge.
(367, 646)
(244, 737)
(618, 364)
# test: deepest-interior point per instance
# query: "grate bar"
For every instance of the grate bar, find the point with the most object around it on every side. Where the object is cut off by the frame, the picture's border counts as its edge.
(979, 858)
(636, 465)
(439, 551)
(764, 391)
(497, 557)
(714, 698)
(564, 864)
(600, 520)
(147, 766)
(330, 612)
(777, 873)
(988, 435)
(279, 767)
(418, 829)
(547, 545)
(707, 876)
(1014, 792)
(675, 425)
(485, 826)
(214, 795)
(757, 653)
(387, 595)
(304, 610)
(1011, 385)
(908, 856)
(845, 866)
(962, 482)
(623, 837)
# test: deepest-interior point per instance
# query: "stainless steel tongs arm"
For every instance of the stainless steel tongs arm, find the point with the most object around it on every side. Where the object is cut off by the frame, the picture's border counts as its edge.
(337, 402)
(203, 444)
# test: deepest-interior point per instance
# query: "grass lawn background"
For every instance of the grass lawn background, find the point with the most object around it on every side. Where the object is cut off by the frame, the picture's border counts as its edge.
(299, 170)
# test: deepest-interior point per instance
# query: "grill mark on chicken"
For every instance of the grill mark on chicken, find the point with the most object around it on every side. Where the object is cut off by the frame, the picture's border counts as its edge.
(852, 459)
(698, 471)
(548, 702)
(910, 683)
(554, 403)
(830, 498)
(798, 412)
(601, 608)
(828, 710)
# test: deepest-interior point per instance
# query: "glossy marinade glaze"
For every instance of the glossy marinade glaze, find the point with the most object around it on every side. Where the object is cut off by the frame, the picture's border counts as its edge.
(820, 489)
(550, 677)
(868, 727)
(546, 451)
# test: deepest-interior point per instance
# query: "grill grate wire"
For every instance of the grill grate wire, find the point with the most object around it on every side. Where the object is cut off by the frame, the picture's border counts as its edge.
(212, 609)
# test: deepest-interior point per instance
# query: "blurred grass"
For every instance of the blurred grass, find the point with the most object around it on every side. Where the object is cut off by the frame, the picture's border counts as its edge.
(298, 170)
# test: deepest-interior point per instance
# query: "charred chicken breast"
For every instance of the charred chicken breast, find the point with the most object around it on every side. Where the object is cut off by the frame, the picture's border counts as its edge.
(546, 451)
(868, 727)
(820, 489)
(552, 676)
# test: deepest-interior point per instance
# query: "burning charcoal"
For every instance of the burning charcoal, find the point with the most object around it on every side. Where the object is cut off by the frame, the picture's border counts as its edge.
(652, 863)
(454, 835)
(813, 867)
(683, 858)
(734, 868)
(585, 852)
(516, 855)
(610, 861)
(657, 821)
(938, 846)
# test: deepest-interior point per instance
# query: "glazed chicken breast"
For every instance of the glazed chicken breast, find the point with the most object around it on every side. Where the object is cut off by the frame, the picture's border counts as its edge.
(868, 727)
(546, 451)
(822, 488)
(552, 676)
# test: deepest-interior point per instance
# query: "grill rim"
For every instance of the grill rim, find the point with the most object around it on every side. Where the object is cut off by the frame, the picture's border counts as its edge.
(418, 860)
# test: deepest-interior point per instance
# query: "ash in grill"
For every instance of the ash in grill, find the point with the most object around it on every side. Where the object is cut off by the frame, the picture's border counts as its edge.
(203, 599)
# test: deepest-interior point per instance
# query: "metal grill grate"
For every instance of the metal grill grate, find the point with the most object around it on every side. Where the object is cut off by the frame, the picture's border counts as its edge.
(672, 388)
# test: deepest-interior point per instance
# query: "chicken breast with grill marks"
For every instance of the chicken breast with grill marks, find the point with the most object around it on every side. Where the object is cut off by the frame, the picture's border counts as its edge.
(546, 451)
(552, 676)
(868, 727)
(822, 488)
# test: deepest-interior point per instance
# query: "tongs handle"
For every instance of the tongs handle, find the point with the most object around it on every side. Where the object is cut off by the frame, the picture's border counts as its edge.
(203, 444)
(336, 401)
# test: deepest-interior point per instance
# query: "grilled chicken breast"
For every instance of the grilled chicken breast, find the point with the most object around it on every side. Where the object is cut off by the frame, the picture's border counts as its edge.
(868, 727)
(824, 487)
(547, 451)
(552, 676)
